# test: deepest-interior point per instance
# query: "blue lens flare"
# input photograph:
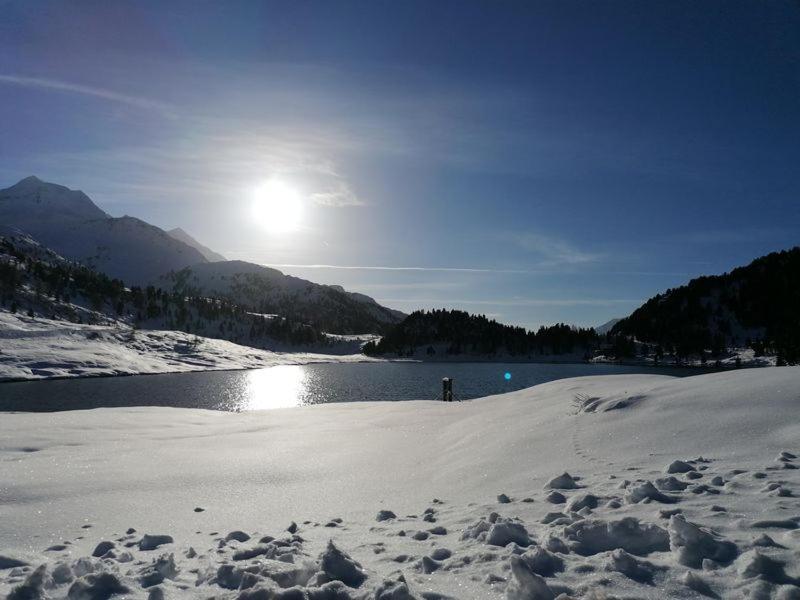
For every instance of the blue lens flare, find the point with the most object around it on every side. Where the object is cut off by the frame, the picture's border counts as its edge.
(507, 376)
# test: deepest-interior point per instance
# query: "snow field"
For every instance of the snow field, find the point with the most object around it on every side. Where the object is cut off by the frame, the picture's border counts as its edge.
(595, 487)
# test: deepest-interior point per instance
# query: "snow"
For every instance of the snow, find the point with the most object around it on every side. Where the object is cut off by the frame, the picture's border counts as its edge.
(71, 480)
(256, 285)
(36, 348)
(69, 223)
(607, 326)
(733, 357)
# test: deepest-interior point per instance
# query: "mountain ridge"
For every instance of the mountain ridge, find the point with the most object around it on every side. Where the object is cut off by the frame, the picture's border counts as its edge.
(267, 290)
(142, 254)
(208, 253)
(71, 224)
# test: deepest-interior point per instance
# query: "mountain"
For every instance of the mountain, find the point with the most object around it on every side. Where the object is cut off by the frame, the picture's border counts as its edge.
(606, 327)
(69, 223)
(756, 305)
(447, 333)
(129, 249)
(208, 253)
(268, 291)
(32, 201)
(38, 282)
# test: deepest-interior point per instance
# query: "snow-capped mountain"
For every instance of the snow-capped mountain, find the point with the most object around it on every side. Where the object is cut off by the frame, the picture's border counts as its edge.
(58, 297)
(606, 327)
(211, 256)
(68, 222)
(270, 291)
(127, 248)
(33, 203)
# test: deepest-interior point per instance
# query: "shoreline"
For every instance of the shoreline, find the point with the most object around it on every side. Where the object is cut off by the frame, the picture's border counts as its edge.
(43, 350)
(211, 370)
(370, 359)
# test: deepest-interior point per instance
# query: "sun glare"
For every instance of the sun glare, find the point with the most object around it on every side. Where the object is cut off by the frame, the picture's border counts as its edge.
(276, 387)
(277, 206)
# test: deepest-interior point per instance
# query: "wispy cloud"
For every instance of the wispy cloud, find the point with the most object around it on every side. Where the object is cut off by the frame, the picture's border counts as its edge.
(210, 163)
(96, 92)
(546, 269)
(516, 302)
(339, 195)
(552, 250)
(386, 268)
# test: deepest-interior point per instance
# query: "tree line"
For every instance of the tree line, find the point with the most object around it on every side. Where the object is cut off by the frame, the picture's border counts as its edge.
(55, 288)
(455, 332)
(756, 306)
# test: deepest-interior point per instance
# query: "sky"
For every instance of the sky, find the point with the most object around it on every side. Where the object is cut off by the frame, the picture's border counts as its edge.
(536, 162)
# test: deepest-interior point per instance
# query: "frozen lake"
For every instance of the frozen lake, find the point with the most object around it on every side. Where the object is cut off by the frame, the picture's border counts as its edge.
(295, 385)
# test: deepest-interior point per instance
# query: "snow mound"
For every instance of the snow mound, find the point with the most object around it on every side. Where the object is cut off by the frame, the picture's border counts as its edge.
(647, 491)
(504, 532)
(633, 568)
(543, 562)
(151, 542)
(594, 536)
(338, 566)
(565, 481)
(525, 583)
(693, 544)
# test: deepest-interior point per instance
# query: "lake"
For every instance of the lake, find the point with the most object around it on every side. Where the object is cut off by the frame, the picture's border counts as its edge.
(295, 385)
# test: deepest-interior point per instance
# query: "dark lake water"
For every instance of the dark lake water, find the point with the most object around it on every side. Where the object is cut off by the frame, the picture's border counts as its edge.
(295, 385)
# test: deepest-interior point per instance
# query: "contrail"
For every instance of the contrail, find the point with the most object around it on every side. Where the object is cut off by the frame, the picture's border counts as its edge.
(380, 268)
(65, 86)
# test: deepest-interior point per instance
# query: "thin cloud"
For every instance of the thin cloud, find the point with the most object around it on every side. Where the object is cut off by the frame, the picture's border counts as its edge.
(553, 251)
(75, 88)
(544, 271)
(520, 302)
(340, 196)
(213, 166)
(383, 268)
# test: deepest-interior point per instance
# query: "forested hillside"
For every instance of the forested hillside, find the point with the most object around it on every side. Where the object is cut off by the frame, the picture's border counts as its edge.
(757, 305)
(266, 290)
(39, 282)
(455, 332)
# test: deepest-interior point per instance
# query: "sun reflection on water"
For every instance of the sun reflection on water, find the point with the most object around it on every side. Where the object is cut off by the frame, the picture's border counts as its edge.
(275, 387)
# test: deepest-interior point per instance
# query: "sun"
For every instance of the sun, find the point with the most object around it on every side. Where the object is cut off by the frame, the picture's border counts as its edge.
(277, 206)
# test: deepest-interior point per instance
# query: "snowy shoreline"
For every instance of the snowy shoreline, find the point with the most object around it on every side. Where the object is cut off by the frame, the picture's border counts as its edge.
(323, 360)
(36, 348)
(431, 499)
(33, 349)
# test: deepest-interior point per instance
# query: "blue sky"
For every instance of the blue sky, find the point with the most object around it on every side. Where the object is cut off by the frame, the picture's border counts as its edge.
(533, 161)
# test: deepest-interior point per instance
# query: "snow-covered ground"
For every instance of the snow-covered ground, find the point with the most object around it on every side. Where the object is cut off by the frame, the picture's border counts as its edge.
(37, 348)
(734, 357)
(431, 500)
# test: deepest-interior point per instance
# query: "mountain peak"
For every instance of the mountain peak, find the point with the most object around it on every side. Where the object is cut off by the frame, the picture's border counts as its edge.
(180, 235)
(32, 202)
(32, 182)
(607, 326)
